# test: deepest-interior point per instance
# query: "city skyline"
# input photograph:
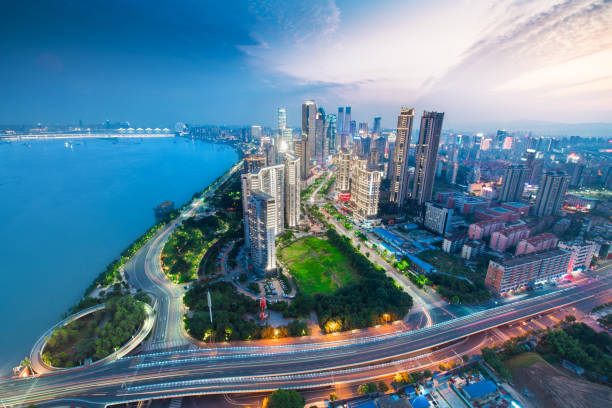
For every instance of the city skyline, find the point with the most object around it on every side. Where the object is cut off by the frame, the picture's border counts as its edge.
(65, 64)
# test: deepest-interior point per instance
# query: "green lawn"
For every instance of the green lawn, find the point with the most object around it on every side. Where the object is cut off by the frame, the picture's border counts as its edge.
(317, 266)
(522, 360)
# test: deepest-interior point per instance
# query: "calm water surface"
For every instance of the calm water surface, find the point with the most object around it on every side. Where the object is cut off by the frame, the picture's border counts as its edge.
(68, 211)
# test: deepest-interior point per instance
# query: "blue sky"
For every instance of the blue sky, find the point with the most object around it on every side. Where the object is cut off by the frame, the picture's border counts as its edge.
(158, 62)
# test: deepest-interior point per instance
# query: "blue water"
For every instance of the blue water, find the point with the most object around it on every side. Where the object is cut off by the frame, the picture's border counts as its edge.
(66, 212)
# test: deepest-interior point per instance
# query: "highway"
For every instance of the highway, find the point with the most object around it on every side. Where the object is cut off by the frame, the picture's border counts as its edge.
(144, 271)
(251, 369)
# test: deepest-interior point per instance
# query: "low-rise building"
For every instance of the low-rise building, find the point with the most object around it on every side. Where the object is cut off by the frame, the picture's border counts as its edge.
(453, 242)
(521, 208)
(497, 213)
(438, 218)
(512, 273)
(482, 229)
(472, 249)
(504, 239)
(540, 242)
(480, 393)
(582, 253)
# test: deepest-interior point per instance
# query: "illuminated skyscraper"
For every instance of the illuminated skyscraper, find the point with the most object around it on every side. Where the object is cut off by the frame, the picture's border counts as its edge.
(269, 180)
(365, 188)
(399, 168)
(343, 182)
(292, 190)
(426, 156)
(340, 121)
(261, 212)
(282, 119)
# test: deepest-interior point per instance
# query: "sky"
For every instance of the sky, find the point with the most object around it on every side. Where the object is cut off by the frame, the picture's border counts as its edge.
(155, 63)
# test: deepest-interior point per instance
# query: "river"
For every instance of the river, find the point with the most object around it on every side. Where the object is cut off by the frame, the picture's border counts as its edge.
(68, 208)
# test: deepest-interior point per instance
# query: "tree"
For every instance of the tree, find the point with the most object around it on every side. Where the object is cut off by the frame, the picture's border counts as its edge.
(570, 318)
(333, 396)
(382, 386)
(26, 363)
(427, 373)
(285, 399)
(368, 388)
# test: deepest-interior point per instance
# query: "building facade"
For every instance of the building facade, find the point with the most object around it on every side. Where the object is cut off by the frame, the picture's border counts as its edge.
(271, 181)
(262, 209)
(365, 188)
(292, 190)
(516, 272)
(343, 180)
(426, 156)
(513, 183)
(438, 218)
(551, 194)
(582, 253)
(504, 239)
(399, 174)
(540, 242)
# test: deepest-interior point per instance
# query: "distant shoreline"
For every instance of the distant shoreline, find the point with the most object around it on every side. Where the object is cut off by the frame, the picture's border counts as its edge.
(56, 136)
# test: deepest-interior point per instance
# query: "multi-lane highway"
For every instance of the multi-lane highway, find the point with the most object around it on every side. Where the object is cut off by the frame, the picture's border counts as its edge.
(258, 369)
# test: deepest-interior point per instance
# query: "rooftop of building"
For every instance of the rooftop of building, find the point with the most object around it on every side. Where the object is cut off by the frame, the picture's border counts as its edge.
(541, 237)
(419, 402)
(479, 389)
(513, 228)
(484, 223)
(510, 261)
(499, 209)
(515, 204)
(475, 243)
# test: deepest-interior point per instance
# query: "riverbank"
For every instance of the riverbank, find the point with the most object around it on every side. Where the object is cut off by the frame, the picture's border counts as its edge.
(111, 189)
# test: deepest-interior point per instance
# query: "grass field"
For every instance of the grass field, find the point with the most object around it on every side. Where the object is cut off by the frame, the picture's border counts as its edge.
(522, 360)
(317, 266)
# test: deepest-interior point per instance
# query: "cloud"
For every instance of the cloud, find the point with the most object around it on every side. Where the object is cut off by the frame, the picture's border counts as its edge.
(448, 53)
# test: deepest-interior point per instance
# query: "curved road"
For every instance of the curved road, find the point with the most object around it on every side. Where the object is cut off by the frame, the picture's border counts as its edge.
(252, 369)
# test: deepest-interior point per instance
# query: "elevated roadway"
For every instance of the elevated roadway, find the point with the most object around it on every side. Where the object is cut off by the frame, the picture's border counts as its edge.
(251, 369)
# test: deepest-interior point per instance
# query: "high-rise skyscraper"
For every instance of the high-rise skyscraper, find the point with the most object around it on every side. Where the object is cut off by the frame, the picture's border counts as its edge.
(292, 190)
(269, 180)
(300, 149)
(260, 218)
(340, 121)
(343, 182)
(376, 129)
(551, 193)
(347, 121)
(309, 125)
(513, 183)
(333, 138)
(282, 119)
(365, 188)
(426, 156)
(399, 167)
(319, 146)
